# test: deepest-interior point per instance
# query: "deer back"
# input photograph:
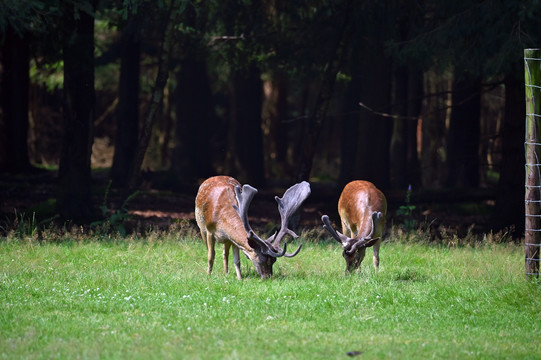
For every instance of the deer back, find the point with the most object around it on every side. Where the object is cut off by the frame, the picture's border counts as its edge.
(214, 211)
(358, 201)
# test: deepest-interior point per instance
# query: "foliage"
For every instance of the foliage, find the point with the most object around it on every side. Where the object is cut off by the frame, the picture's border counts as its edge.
(406, 212)
(113, 219)
(483, 42)
(48, 75)
(24, 227)
(28, 15)
(21, 227)
(151, 298)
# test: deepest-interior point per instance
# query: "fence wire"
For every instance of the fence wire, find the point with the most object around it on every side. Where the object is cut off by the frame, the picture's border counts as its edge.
(532, 191)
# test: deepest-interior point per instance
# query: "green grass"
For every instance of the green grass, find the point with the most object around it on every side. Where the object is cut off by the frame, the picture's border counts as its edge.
(151, 298)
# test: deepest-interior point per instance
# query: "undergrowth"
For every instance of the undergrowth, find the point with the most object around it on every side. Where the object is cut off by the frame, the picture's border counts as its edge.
(23, 227)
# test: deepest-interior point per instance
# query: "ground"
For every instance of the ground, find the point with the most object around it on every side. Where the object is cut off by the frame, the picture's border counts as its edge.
(158, 206)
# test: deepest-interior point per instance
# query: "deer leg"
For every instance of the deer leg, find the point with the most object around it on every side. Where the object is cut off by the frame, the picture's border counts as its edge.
(345, 229)
(227, 245)
(211, 253)
(204, 237)
(236, 259)
(376, 254)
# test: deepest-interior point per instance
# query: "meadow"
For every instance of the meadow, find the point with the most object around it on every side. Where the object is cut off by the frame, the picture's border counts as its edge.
(89, 296)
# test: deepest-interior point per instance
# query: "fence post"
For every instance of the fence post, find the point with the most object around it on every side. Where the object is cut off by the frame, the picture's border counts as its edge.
(532, 145)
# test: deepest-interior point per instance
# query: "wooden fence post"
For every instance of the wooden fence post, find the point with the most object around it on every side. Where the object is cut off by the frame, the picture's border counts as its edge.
(532, 199)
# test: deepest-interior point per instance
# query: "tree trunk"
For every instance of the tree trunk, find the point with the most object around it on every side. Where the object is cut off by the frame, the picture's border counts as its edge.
(434, 117)
(399, 139)
(276, 130)
(509, 209)
(350, 124)
(407, 101)
(156, 96)
(415, 100)
(312, 124)
(374, 130)
(15, 66)
(247, 140)
(74, 177)
(464, 133)
(128, 104)
(195, 126)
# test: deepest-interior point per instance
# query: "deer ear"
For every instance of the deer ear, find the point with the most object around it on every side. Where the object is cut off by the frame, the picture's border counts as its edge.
(262, 247)
(254, 244)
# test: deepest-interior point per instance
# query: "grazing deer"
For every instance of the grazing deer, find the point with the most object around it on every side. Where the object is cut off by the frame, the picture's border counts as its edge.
(362, 208)
(221, 212)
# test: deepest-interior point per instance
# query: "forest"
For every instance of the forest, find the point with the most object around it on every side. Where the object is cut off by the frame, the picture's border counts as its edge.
(425, 95)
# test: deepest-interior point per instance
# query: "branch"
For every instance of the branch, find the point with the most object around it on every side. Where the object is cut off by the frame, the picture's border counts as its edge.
(215, 39)
(386, 114)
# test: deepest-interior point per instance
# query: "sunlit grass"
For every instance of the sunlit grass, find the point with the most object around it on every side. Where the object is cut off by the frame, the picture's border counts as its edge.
(150, 297)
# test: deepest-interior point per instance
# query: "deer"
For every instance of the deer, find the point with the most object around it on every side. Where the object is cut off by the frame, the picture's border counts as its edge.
(362, 208)
(221, 213)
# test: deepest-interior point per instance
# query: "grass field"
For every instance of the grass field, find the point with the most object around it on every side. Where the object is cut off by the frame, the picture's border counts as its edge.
(140, 298)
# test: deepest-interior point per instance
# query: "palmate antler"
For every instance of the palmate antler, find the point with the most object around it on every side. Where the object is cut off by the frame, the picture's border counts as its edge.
(350, 245)
(287, 205)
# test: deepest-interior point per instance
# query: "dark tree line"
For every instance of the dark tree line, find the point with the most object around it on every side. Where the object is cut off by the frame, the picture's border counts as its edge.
(392, 91)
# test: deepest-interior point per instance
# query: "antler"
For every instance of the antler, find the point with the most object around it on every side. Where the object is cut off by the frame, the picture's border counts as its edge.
(287, 205)
(244, 198)
(337, 235)
(350, 245)
(366, 241)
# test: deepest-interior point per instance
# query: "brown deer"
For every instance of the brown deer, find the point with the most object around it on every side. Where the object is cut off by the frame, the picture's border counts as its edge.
(221, 212)
(362, 208)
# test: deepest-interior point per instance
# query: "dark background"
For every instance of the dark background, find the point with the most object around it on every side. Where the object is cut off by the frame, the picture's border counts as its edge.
(159, 95)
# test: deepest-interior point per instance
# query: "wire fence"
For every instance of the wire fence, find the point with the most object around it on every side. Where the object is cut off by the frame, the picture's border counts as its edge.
(532, 151)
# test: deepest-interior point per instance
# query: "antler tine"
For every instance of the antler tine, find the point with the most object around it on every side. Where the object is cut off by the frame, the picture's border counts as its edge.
(287, 206)
(375, 218)
(270, 251)
(367, 241)
(244, 198)
(292, 254)
(266, 247)
(338, 236)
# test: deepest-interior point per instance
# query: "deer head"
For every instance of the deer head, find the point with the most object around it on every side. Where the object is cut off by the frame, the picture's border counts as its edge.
(351, 246)
(362, 208)
(270, 249)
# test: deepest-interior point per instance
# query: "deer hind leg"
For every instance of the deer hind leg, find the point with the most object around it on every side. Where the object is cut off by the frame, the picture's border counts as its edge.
(227, 245)
(349, 230)
(204, 237)
(376, 254)
(236, 259)
(210, 251)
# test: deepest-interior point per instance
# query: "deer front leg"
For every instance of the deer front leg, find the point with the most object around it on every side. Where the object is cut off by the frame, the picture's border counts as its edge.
(227, 245)
(236, 259)
(210, 250)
